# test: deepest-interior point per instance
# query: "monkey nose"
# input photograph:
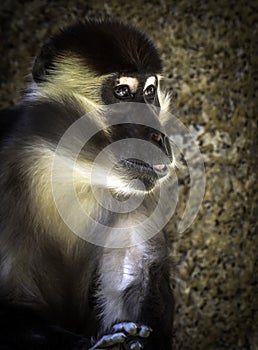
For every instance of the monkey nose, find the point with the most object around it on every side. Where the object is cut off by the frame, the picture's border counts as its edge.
(156, 136)
(158, 139)
(162, 141)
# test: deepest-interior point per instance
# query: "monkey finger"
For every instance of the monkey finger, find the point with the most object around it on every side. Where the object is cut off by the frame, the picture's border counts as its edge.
(133, 345)
(144, 331)
(127, 327)
(109, 340)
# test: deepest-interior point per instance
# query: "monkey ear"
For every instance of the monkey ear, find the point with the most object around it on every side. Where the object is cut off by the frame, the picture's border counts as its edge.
(43, 64)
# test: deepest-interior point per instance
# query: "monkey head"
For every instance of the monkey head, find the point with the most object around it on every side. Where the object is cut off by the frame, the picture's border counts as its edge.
(97, 64)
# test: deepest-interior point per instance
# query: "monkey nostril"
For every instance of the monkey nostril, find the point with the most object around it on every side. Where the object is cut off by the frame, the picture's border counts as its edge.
(161, 141)
(156, 137)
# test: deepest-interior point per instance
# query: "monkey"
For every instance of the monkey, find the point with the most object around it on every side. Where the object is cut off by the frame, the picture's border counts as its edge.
(106, 287)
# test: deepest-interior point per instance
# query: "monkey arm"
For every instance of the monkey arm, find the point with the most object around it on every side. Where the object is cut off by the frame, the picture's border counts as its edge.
(32, 332)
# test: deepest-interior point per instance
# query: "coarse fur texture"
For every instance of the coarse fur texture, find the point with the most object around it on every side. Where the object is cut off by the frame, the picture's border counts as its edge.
(59, 290)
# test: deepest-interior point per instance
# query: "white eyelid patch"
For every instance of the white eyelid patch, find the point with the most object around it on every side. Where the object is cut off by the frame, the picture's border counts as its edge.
(131, 82)
(150, 81)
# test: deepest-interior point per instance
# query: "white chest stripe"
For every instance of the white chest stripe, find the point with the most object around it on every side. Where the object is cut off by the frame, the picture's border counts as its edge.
(119, 269)
(129, 272)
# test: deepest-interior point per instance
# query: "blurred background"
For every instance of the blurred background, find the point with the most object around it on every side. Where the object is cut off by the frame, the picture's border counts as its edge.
(210, 55)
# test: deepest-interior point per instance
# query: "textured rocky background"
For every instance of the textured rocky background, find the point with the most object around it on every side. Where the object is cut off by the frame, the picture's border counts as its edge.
(210, 55)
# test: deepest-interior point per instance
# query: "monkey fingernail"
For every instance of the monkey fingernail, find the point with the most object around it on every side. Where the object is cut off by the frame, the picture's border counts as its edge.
(136, 346)
(118, 338)
(145, 331)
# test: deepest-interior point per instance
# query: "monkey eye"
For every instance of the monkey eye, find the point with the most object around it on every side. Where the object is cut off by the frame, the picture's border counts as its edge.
(150, 92)
(122, 91)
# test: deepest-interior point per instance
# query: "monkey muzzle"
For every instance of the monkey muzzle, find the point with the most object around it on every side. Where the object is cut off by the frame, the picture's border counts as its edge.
(146, 157)
(141, 148)
(158, 166)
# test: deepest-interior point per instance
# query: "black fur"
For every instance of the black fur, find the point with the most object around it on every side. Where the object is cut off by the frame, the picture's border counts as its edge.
(107, 46)
(47, 286)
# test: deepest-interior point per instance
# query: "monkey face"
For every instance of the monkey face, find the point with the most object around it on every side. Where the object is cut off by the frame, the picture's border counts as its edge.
(141, 89)
(134, 146)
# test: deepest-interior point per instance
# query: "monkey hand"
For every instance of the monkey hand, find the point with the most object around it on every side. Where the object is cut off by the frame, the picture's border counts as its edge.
(126, 335)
